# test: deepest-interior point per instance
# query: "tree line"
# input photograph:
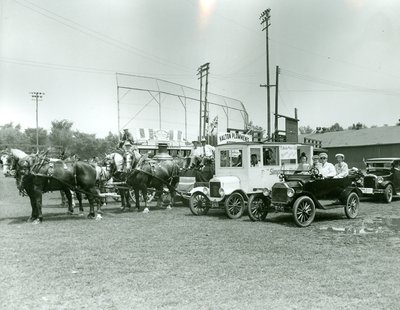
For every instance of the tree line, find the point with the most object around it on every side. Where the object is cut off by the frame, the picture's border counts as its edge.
(335, 127)
(62, 138)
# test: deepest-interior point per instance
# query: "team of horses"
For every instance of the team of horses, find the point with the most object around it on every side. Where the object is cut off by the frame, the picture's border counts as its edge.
(37, 174)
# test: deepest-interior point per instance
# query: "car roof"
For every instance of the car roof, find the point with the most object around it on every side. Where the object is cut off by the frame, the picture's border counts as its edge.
(384, 159)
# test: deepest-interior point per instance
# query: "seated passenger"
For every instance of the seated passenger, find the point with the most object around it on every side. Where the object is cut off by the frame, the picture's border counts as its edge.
(316, 163)
(342, 170)
(303, 164)
(254, 162)
(327, 170)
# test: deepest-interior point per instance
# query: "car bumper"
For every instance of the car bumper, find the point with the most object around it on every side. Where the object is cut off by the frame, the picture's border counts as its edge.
(371, 191)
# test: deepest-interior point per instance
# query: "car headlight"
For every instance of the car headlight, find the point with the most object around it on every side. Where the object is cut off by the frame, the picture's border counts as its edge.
(380, 179)
(290, 192)
(266, 191)
(221, 192)
(205, 191)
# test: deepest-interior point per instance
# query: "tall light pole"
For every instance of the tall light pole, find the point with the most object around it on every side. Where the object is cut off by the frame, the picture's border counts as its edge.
(37, 96)
(264, 17)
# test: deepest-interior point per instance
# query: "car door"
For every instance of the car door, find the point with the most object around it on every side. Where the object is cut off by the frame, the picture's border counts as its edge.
(396, 176)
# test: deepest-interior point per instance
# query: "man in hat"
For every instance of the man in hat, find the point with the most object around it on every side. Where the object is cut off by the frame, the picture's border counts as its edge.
(327, 170)
(195, 154)
(206, 149)
(125, 136)
(315, 162)
(342, 170)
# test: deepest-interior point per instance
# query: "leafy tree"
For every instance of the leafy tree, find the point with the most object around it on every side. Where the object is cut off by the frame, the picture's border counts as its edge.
(31, 136)
(305, 130)
(11, 135)
(358, 126)
(61, 133)
(336, 127)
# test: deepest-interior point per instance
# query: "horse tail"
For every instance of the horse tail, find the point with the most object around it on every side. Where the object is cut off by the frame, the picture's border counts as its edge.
(74, 174)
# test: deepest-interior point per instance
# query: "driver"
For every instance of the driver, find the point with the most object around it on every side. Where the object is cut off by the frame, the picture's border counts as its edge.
(327, 170)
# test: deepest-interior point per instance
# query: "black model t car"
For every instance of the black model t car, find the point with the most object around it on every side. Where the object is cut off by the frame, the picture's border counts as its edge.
(382, 178)
(302, 194)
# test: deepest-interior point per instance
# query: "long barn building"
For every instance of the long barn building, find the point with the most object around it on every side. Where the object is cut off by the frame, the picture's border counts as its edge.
(361, 144)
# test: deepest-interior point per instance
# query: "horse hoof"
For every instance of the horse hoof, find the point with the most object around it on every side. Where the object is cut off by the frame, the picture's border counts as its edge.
(146, 210)
(98, 217)
(36, 221)
(90, 216)
(70, 212)
(169, 207)
(81, 214)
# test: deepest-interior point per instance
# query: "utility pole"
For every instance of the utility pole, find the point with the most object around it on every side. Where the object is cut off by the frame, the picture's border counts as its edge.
(37, 96)
(264, 17)
(203, 72)
(276, 100)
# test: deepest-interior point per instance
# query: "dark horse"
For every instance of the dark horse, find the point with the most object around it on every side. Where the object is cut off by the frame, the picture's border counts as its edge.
(119, 166)
(153, 174)
(37, 174)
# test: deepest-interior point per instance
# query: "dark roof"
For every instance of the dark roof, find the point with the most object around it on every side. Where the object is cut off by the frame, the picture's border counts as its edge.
(385, 159)
(367, 136)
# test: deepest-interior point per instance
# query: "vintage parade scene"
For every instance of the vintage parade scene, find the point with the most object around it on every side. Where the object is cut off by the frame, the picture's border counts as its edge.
(199, 154)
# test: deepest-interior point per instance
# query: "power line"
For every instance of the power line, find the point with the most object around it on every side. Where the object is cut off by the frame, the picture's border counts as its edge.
(98, 35)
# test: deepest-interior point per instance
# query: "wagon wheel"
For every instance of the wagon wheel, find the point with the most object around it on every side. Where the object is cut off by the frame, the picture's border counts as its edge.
(257, 208)
(352, 205)
(234, 206)
(388, 194)
(303, 211)
(199, 204)
(150, 195)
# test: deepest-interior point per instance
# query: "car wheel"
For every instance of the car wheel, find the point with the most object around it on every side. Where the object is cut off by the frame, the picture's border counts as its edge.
(303, 211)
(352, 206)
(234, 206)
(199, 204)
(257, 208)
(388, 194)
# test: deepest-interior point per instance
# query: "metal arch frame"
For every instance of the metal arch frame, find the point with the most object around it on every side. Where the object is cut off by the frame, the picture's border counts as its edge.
(225, 107)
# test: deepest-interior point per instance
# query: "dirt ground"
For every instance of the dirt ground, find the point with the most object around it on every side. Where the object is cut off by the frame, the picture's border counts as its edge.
(170, 259)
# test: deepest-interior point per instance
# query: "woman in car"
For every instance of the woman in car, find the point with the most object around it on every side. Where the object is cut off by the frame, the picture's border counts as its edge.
(342, 170)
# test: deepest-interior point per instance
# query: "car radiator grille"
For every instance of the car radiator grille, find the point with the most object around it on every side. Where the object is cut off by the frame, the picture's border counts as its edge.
(214, 189)
(369, 182)
(279, 195)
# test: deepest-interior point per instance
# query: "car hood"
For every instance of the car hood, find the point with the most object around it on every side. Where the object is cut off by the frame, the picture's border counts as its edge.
(378, 173)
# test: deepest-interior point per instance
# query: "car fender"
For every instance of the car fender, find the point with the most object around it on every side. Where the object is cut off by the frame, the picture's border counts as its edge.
(200, 189)
(245, 197)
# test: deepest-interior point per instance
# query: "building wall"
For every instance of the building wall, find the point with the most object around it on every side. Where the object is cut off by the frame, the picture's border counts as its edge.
(355, 155)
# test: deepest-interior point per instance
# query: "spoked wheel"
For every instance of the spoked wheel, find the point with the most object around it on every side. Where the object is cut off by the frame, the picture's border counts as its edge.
(352, 205)
(150, 196)
(257, 208)
(388, 194)
(234, 206)
(199, 204)
(303, 211)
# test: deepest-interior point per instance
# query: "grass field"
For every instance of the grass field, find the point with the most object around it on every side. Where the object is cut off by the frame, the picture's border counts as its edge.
(170, 259)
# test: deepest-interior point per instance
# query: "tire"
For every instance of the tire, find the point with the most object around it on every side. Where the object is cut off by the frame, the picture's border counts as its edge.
(303, 211)
(199, 204)
(257, 208)
(388, 194)
(352, 205)
(234, 206)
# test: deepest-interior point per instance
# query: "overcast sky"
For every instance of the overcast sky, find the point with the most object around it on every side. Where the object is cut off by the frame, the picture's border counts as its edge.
(339, 59)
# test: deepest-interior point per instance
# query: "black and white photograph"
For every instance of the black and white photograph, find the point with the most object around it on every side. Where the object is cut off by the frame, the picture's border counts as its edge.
(199, 154)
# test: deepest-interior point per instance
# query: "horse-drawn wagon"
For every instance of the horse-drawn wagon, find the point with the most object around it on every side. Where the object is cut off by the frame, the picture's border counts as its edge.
(244, 174)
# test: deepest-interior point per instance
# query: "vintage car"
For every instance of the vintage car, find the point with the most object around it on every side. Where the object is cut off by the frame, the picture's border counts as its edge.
(382, 178)
(302, 194)
(244, 174)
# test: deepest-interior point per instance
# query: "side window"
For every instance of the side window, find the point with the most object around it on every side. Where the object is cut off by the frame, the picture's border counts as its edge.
(255, 157)
(225, 159)
(270, 156)
(231, 158)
